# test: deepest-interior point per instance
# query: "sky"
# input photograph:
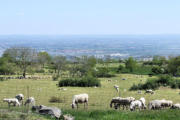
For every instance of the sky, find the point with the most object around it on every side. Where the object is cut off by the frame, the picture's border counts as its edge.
(89, 17)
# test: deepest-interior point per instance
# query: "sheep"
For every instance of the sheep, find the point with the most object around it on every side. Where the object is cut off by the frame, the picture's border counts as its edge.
(20, 97)
(81, 98)
(115, 101)
(136, 103)
(149, 91)
(118, 101)
(30, 100)
(116, 87)
(14, 101)
(175, 106)
(166, 103)
(155, 104)
(142, 99)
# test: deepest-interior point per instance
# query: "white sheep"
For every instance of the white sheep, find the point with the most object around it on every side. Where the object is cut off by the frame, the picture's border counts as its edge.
(155, 104)
(142, 99)
(20, 97)
(30, 100)
(136, 103)
(13, 101)
(149, 91)
(166, 103)
(175, 106)
(81, 98)
(117, 88)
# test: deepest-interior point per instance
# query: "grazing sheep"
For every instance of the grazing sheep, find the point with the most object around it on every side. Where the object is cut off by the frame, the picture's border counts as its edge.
(115, 101)
(166, 103)
(116, 87)
(81, 98)
(13, 101)
(30, 100)
(175, 106)
(20, 97)
(118, 102)
(155, 104)
(142, 99)
(149, 91)
(136, 103)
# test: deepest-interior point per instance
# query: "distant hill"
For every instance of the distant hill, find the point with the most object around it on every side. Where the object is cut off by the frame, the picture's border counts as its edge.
(99, 45)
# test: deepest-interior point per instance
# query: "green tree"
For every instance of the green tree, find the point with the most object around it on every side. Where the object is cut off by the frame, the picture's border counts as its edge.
(43, 58)
(59, 64)
(130, 64)
(24, 57)
(173, 65)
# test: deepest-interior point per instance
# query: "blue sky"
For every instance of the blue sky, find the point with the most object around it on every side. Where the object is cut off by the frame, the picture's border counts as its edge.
(89, 17)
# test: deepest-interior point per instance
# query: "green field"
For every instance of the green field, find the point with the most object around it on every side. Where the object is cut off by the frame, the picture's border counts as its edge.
(99, 98)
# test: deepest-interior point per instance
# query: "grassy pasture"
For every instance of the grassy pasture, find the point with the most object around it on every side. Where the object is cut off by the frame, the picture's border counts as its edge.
(99, 98)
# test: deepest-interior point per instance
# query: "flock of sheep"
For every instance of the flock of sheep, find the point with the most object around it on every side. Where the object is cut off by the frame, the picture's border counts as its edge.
(129, 102)
(18, 100)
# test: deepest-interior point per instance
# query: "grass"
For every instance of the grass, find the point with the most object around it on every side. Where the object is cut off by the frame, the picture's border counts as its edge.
(99, 98)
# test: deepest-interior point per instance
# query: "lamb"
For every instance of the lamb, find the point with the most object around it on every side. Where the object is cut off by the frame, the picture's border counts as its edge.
(20, 97)
(149, 91)
(13, 101)
(81, 98)
(175, 106)
(116, 87)
(30, 100)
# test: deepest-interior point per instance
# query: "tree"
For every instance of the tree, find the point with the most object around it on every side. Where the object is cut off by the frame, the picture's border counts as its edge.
(22, 56)
(130, 64)
(6, 67)
(59, 63)
(43, 58)
(173, 65)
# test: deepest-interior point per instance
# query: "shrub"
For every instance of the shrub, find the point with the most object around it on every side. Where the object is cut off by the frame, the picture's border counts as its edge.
(54, 99)
(87, 81)
(103, 72)
(164, 80)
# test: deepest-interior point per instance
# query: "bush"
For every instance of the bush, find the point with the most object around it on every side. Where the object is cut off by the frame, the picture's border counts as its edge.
(54, 99)
(87, 81)
(163, 80)
(103, 72)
